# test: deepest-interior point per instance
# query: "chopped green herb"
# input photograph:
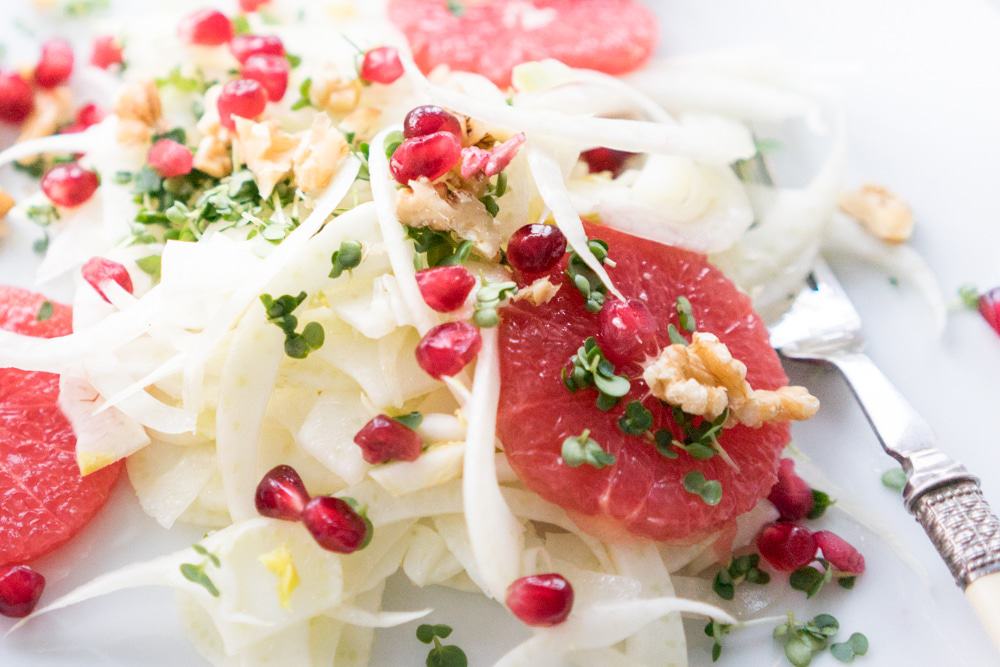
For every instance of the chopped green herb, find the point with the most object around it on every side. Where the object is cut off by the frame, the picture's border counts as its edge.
(717, 631)
(441, 655)
(151, 265)
(279, 312)
(303, 100)
(856, 644)
(590, 368)
(969, 294)
(411, 420)
(42, 215)
(580, 449)
(894, 479)
(184, 84)
(241, 25)
(809, 580)
(293, 60)
(821, 502)
(438, 248)
(803, 640)
(636, 420)
(81, 8)
(740, 569)
(456, 7)
(44, 311)
(585, 280)
(710, 491)
(684, 315)
(488, 301)
(494, 192)
(347, 257)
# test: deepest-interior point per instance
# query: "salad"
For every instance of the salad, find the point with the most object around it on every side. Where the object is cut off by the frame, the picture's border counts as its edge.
(475, 292)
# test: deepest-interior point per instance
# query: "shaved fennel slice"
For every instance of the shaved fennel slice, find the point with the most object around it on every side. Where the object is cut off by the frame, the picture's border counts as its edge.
(328, 434)
(609, 657)
(428, 559)
(370, 567)
(368, 619)
(108, 376)
(495, 533)
(201, 632)
(100, 439)
(354, 647)
(78, 142)
(846, 238)
(167, 479)
(248, 378)
(437, 465)
(75, 241)
(452, 530)
(549, 180)
(290, 646)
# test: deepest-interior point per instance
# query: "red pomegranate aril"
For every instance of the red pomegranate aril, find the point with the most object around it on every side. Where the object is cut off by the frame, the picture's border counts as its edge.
(448, 348)
(17, 100)
(605, 159)
(626, 331)
(381, 65)
(281, 494)
(428, 119)
(430, 156)
(106, 51)
(55, 64)
(69, 184)
(792, 496)
(989, 308)
(534, 249)
(335, 525)
(541, 600)
(786, 546)
(206, 27)
(269, 71)
(445, 288)
(385, 439)
(244, 46)
(841, 554)
(20, 589)
(87, 115)
(170, 158)
(245, 98)
(252, 5)
(98, 271)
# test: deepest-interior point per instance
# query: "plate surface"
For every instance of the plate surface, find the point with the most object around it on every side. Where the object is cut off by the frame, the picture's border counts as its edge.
(922, 116)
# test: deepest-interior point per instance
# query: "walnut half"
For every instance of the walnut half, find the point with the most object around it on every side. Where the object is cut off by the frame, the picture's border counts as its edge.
(881, 212)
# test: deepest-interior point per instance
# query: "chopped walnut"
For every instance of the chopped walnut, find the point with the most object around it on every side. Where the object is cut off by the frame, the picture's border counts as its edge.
(53, 108)
(139, 112)
(438, 207)
(539, 292)
(320, 151)
(267, 150)
(882, 213)
(333, 92)
(704, 379)
(212, 156)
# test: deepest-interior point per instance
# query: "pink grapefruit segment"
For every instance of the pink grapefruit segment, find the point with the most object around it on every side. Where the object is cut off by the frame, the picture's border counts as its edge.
(642, 492)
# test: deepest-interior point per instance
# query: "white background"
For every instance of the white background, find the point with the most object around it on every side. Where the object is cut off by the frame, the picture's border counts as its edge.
(924, 118)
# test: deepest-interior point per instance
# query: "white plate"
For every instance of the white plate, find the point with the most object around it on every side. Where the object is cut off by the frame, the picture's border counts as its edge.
(923, 105)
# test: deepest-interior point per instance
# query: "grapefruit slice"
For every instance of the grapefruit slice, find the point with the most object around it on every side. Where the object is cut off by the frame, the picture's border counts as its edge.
(642, 492)
(43, 499)
(492, 36)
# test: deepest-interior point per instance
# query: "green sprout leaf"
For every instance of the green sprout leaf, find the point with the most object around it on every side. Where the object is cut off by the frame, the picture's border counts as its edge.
(303, 100)
(856, 644)
(710, 491)
(589, 368)
(441, 655)
(717, 631)
(969, 294)
(741, 569)
(580, 449)
(151, 265)
(894, 479)
(196, 575)
(488, 301)
(44, 311)
(456, 7)
(411, 420)
(636, 420)
(684, 315)
(347, 257)
(809, 580)
(821, 502)
(584, 278)
(279, 313)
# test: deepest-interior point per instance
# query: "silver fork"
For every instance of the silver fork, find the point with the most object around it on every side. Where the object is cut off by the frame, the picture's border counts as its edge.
(823, 326)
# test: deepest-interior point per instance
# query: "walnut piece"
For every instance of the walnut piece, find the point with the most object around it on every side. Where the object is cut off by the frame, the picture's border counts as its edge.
(212, 156)
(267, 150)
(331, 91)
(139, 112)
(53, 108)
(539, 292)
(704, 379)
(881, 212)
(438, 207)
(321, 149)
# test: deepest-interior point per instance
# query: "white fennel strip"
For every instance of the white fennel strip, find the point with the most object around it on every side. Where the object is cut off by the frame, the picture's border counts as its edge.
(79, 142)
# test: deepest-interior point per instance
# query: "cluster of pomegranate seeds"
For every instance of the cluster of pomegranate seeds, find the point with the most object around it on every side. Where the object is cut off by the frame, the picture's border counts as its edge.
(626, 331)
(786, 546)
(206, 27)
(333, 522)
(448, 348)
(445, 288)
(534, 249)
(269, 71)
(20, 589)
(431, 156)
(17, 100)
(844, 557)
(245, 98)
(281, 494)
(252, 5)
(989, 307)
(55, 64)
(791, 495)
(428, 119)
(170, 158)
(69, 184)
(106, 51)
(98, 271)
(541, 599)
(605, 159)
(244, 46)
(386, 439)
(381, 65)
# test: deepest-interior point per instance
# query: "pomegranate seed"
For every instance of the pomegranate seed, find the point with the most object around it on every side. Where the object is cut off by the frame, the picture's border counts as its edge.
(252, 5)
(431, 156)
(69, 184)
(536, 248)
(335, 525)
(475, 160)
(989, 307)
(844, 557)
(20, 588)
(381, 65)
(269, 71)
(244, 46)
(170, 159)
(17, 100)
(786, 546)
(429, 119)
(55, 64)
(98, 271)
(87, 115)
(448, 348)
(541, 599)
(626, 331)
(445, 288)
(206, 27)
(791, 495)
(106, 52)
(281, 494)
(605, 159)
(245, 98)
(385, 439)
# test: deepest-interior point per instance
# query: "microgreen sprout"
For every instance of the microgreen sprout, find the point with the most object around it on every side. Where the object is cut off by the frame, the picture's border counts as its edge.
(637, 420)
(856, 644)
(151, 265)
(802, 641)
(580, 449)
(742, 568)
(303, 100)
(969, 294)
(701, 442)
(709, 490)
(411, 420)
(589, 368)
(810, 580)
(685, 317)
(438, 248)
(717, 631)
(488, 301)
(345, 258)
(195, 573)
(821, 502)
(456, 7)
(894, 479)
(42, 215)
(441, 655)
(584, 278)
(44, 311)
(494, 192)
(279, 312)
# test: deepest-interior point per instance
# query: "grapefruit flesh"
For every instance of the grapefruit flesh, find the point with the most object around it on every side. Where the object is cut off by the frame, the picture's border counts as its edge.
(44, 501)
(490, 37)
(642, 492)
